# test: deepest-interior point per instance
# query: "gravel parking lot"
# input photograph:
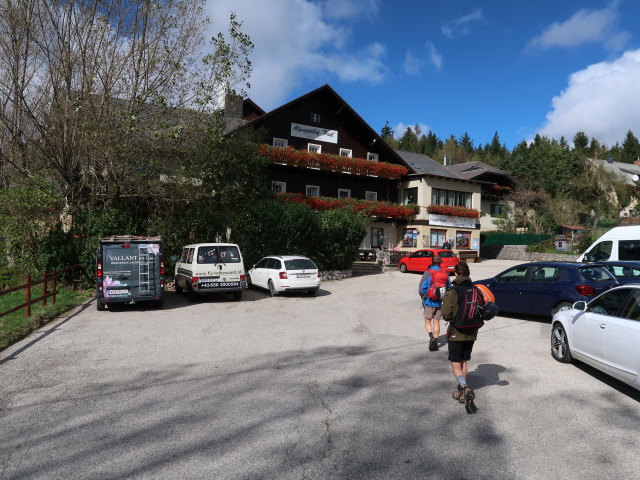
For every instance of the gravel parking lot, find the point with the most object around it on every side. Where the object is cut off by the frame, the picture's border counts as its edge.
(338, 386)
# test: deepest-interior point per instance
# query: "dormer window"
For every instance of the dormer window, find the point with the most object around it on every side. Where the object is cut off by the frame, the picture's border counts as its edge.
(315, 118)
(372, 157)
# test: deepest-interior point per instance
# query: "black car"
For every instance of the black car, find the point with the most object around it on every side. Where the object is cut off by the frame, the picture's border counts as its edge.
(544, 288)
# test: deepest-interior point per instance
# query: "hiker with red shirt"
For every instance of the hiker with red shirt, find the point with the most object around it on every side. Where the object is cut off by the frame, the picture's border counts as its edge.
(434, 280)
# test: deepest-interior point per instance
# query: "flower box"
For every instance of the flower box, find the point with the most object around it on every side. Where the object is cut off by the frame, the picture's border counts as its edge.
(453, 211)
(367, 207)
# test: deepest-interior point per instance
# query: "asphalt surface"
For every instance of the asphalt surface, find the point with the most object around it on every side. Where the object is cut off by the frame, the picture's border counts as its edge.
(338, 386)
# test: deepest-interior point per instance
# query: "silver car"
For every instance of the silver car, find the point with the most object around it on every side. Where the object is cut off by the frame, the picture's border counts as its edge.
(604, 333)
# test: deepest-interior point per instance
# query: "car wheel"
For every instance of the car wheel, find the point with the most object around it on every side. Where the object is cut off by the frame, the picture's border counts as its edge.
(272, 288)
(237, 295)
(403, 268)
(100, 306)
(560, 306)
(560, 344)
(249, 282)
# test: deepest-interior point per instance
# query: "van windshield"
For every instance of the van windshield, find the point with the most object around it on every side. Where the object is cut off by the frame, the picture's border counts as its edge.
(219, 254)
(629, 250)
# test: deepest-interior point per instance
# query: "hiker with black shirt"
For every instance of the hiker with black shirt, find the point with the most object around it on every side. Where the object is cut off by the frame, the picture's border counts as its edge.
(462, 307)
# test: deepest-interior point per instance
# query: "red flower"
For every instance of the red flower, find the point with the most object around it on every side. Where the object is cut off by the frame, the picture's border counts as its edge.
(453, 211)
(366, 207)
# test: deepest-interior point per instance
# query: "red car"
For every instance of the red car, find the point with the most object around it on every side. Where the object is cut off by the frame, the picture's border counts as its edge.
(420, 260)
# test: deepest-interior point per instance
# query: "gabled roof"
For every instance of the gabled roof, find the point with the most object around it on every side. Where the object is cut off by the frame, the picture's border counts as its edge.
(475, 169)
(344, 109)
(424, 165)
(624, 171)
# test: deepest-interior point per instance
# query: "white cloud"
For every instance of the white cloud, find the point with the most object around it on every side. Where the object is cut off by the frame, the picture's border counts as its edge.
(413, 64)
(602, 100)
(585, 26)
(401, 128)
(300, 39)
(460, 26)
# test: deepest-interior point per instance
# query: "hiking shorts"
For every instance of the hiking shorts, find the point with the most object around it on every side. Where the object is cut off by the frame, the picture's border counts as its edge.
(460, 351)
(433, 312)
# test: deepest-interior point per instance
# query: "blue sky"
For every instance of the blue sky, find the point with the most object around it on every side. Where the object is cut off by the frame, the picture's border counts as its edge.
(515, 67)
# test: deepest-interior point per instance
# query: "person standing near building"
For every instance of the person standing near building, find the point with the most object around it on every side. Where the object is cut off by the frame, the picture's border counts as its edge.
(446, 245)
(432, 285)
(462, 332)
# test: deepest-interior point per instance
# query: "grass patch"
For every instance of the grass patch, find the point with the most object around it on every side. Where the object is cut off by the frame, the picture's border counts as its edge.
(16, 326)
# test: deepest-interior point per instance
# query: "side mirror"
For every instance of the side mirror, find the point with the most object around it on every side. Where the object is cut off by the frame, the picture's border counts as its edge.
(580, 305)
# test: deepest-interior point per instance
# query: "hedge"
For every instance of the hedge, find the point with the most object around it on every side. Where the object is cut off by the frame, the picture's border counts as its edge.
(502, 238)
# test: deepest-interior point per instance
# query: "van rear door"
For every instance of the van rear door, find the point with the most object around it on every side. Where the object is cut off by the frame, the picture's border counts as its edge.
(130, 270)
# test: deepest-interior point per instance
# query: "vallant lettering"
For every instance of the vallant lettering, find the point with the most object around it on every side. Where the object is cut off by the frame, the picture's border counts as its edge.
(124, 258)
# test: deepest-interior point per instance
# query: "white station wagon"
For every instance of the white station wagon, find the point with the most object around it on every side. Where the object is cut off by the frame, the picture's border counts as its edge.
(604, 333)
(285, 273)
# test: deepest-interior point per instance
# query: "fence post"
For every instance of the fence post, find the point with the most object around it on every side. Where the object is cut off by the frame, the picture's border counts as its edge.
(27, 294)
(43, 302)
(54, 280)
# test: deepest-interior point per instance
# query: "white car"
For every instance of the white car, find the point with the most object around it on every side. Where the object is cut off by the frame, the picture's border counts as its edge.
(284, 273)
(605, 333)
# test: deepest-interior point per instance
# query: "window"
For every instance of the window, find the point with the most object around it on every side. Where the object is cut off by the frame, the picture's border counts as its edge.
(438, 237)
(315, 117)
(218, 254)
(344, 193)
(279, 186)
(410, 237)
(633, 312)
(345, 152)
(609, 303)
(371, 196)
(601, 251)
(545, 274)
(377, 237)
(496, 209)
(629, 250)
(374, 157)
(517, 274)
(463, 239)
(410, 195)
(280, 142)
(313, 191)
(190, 255)
(450, 197)
(313, 148)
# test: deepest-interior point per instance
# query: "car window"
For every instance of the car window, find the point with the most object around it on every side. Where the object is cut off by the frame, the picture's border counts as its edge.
(274, 264)
(419, 254)
(299, 264)
(608, 303)
(624, 271)
(446, 254)
(207, 254)
(543, 273)
(262, 263)
(595, 274)
(185, 254)
(629, 250)
(517, 274)
(633, 310)
(229, 254)
(602, 251)
(428, 253)
(190, 255)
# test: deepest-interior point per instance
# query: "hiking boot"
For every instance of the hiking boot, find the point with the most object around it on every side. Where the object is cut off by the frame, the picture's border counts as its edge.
(433, 345)
(469, 406)
(458, 394)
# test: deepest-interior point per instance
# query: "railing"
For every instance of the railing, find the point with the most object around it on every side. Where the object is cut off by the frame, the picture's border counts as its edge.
(47, 277)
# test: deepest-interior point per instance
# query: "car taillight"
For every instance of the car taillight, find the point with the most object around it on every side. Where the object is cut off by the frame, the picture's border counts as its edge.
(99, 268)
(194, 280)
(586, 290)
(161, 266)
(243, 278)
(283, 275)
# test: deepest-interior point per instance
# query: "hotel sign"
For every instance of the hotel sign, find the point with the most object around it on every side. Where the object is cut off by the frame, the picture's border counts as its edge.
(451, 221)
(314, 133)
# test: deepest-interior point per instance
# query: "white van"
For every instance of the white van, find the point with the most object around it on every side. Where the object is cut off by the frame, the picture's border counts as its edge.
(619, 243)
(209, 268)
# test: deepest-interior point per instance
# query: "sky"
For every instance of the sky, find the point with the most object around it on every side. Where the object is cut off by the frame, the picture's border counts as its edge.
(515, 67)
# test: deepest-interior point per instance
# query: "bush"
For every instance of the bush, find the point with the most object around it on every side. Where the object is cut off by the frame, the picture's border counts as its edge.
(502, 238)
(338, 240)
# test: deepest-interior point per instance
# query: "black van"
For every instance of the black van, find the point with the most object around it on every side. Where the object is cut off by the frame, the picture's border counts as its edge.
(129, 270)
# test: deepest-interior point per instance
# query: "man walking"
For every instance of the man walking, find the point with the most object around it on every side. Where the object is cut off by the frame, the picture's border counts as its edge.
(432, 284)
(462, 332)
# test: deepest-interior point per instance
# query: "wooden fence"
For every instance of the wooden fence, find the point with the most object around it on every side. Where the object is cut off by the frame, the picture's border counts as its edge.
(48, 279)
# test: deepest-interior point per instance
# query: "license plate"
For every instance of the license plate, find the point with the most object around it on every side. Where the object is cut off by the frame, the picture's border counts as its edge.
(117, 292)
(218, 284)
(305, 275)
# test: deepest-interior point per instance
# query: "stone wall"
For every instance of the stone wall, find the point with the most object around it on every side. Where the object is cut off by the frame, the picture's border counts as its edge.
(335, 275)
(518, 252)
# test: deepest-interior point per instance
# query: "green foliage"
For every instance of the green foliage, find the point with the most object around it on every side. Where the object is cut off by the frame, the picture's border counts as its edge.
(544, 246)
(502, 238)
(584, 242)
(339, 237)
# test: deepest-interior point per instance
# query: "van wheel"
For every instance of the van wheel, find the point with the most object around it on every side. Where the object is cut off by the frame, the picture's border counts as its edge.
(272, 288)
(237, 296)
(100, 306)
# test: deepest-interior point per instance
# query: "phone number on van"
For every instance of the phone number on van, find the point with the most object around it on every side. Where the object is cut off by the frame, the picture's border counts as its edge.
(218, 284)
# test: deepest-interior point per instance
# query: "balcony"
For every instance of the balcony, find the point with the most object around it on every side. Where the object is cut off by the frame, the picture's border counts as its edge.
(366, 207)
(333, 163)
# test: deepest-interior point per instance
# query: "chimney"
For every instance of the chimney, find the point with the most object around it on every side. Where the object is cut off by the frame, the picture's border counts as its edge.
(233, 106)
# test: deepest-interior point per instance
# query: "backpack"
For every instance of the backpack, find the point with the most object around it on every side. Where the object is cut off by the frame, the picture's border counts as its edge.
(470, 307)
(425, 275)
(439, 279)
(489, 310)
